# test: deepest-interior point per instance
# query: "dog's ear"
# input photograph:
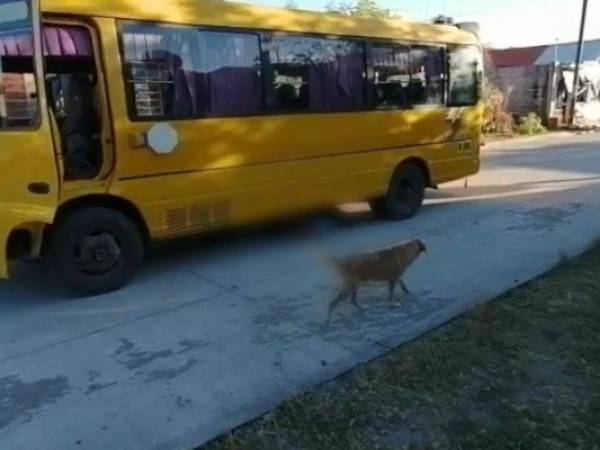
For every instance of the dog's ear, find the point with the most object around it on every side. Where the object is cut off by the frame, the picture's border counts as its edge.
(422, 247)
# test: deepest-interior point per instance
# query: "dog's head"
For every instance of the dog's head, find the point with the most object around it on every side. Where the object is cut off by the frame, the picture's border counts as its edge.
(421, 246)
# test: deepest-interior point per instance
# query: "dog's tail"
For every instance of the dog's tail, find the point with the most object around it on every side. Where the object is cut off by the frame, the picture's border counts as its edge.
(320, 255)
(323, 257)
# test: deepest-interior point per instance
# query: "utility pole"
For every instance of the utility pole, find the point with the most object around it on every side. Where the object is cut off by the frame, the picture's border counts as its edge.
(573, 98)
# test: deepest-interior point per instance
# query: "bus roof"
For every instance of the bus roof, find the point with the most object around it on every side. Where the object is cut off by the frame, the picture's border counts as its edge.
(228, 14)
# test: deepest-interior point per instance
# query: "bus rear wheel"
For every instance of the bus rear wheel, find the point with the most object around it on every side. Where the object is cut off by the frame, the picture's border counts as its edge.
(95, 250)
(405, 194)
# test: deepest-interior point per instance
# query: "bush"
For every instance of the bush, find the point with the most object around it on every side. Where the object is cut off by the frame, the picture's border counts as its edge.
(495, 119)
(531, 125)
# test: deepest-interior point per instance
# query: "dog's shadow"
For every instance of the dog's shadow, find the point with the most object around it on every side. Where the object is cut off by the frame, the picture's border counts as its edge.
(378, 312)
(375, 309)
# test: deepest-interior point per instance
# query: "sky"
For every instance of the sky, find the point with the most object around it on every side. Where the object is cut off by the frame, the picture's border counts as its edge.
(504, 23)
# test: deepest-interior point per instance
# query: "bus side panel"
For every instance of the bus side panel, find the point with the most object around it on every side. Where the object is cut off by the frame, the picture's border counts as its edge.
(236, 170)
(243, 195)
(211, 144)
(285, 165)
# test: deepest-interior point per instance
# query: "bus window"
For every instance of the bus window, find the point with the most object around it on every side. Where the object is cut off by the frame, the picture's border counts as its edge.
(465, 75)
(71, 85)
(391, 73)
(18, 90)
(428, 69)
(184, 72)
(315, 74)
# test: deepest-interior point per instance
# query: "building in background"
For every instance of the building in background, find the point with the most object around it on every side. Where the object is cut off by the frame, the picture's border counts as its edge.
(540, 79)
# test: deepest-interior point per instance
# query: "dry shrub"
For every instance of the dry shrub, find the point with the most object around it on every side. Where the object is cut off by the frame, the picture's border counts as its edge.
(495, 118)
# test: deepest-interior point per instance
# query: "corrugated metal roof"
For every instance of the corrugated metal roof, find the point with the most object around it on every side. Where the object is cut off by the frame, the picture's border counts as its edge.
(516, 57)
(544, 54)
(568, 52)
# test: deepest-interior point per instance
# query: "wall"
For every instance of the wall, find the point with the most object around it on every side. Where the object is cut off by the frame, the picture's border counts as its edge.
(524, 87)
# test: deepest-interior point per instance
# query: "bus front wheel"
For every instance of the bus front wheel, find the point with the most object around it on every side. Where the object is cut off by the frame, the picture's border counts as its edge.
(95, 250)
(405, 194)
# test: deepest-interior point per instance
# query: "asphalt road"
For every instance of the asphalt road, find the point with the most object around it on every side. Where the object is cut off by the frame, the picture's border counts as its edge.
(217, 330)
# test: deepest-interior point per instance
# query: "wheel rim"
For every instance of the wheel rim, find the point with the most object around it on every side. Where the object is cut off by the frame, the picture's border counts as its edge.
(97, 253)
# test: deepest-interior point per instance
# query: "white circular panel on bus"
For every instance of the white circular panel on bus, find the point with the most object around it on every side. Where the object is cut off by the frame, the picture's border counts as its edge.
(162, 138)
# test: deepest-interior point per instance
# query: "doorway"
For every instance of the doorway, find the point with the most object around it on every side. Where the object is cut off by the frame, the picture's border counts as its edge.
(76, 98)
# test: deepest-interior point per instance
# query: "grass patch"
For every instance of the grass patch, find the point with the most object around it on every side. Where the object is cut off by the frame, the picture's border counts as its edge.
(522, 372)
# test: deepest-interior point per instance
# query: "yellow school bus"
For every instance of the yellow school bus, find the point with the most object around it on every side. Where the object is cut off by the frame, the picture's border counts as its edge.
(124, 121)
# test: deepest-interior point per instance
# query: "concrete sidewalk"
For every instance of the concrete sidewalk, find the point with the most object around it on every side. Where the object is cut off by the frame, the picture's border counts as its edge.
(209, 337)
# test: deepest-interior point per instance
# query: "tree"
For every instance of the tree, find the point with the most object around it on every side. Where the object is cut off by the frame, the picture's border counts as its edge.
(362, 8)
(291, 4)
(341, 8)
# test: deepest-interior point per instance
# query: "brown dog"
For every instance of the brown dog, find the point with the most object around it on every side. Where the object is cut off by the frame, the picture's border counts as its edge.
(384, 265)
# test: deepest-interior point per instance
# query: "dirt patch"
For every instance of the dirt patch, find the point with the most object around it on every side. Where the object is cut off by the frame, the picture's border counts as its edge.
(544, 219)
(19, 399)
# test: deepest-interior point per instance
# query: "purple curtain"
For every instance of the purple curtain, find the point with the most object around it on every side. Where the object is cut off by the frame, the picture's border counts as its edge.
(67, 41)
(338, 84)
(316, 90)
(200, 88)
(350, 78)
(235, 90)
(16, 44)
(331, 72)
(435, 70)
(58, 41)
(209, 73)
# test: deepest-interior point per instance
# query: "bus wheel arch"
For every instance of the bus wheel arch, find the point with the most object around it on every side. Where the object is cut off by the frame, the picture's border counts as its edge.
(19, 243)
(113, 202)
(25, 240)
(422, 165)
(406, 191)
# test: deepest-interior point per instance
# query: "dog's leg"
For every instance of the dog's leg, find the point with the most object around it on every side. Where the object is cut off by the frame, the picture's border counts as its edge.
(354, 301)
(403, 286)
(344, 293)
(392, 287)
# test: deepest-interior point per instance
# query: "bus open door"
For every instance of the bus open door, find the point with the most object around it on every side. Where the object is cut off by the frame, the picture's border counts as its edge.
(29, 172)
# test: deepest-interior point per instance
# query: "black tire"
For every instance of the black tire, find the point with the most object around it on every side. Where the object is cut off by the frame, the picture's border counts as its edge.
(378, 206)
(405, 194)
(95, 250)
